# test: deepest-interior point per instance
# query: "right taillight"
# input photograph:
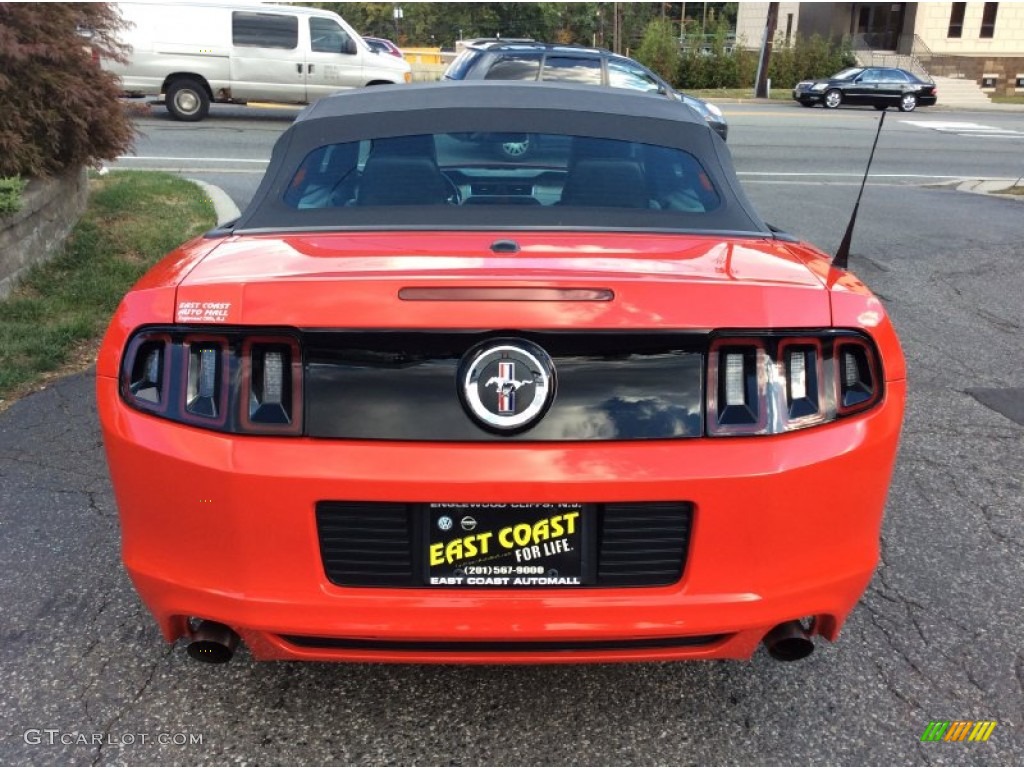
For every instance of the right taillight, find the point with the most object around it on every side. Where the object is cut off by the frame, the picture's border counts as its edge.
(775, 383)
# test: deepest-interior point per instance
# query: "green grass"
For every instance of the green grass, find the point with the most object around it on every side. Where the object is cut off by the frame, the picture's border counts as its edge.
(10, 194)
(1015, 99)
(63, 306)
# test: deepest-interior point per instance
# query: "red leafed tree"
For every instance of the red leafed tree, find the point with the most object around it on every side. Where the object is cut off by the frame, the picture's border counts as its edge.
(59, 109)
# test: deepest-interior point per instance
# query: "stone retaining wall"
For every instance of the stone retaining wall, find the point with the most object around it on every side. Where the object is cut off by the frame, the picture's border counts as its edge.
(50, 208)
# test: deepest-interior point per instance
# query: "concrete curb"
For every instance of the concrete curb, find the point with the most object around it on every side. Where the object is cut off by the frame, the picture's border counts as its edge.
(988, 187)
(223, 205)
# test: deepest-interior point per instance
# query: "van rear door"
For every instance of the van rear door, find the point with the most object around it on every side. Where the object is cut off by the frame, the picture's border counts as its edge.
(267, 62)
(334, 60)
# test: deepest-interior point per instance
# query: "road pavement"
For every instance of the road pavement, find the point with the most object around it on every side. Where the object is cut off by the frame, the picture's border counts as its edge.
(938, 636)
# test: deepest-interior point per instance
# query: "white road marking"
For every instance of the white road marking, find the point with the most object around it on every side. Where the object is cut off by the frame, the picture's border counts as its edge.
(799, 174)
(963, 129)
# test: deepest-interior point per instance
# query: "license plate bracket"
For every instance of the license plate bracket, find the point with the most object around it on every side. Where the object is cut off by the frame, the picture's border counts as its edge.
(508, 546)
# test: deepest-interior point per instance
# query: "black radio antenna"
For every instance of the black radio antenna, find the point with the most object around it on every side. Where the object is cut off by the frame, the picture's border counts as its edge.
(842, 257)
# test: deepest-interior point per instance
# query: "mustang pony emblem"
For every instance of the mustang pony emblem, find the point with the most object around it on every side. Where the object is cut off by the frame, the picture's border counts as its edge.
(507, 384)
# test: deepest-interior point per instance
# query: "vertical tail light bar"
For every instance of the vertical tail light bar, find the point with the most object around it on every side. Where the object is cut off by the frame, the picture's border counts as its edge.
(145, 381)
(271, 386)
(206, 386)
(858, 386)
(801, 368)
(736, 388)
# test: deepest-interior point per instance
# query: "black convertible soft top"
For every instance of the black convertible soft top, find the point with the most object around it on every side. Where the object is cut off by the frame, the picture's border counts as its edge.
(500, 108)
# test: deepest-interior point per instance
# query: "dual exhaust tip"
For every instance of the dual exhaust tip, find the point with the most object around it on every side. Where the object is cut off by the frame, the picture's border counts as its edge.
(215, 643)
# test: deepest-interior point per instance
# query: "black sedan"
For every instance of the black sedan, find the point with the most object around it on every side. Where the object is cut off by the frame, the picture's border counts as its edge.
(879, 87)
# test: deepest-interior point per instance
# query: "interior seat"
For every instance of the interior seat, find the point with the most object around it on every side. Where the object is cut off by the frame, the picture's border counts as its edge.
(606, 183)
(403, 170)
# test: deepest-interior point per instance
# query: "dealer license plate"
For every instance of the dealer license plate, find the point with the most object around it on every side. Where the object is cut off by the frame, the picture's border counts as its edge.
(507, 546)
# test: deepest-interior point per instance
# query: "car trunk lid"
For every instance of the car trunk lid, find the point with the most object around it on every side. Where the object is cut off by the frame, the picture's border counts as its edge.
(541, 280)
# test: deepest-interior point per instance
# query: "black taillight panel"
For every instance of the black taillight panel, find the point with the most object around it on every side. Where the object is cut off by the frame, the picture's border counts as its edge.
(254, 381)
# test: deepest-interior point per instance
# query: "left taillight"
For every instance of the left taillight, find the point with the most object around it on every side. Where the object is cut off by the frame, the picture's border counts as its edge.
(765, 385)
(241, 382)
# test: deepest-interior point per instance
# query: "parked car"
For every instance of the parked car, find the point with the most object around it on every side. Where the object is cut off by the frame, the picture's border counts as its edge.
(415, 406)
(524, 60)
(880, 87)
(380, 45)
(197, 54)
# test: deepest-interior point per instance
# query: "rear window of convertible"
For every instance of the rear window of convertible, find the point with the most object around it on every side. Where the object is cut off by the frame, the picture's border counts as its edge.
(474, 169)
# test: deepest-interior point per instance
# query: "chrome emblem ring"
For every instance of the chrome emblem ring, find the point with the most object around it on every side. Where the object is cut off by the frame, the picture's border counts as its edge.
(507, 384)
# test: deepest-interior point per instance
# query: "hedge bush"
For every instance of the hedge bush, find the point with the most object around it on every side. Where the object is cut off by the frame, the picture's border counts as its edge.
(61, 110)
(807, 57)
(810, 58)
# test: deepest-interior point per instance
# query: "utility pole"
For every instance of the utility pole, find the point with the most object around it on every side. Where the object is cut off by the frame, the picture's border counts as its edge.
(761, 86)
(615, 28)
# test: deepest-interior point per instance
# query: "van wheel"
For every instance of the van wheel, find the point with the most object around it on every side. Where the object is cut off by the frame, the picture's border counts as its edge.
(187, 100)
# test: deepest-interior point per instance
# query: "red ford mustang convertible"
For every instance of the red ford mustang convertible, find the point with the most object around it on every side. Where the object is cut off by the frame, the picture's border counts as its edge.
(418, 404)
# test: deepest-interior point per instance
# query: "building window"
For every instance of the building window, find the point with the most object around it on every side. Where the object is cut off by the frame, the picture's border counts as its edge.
(988, 20)
(956, 20)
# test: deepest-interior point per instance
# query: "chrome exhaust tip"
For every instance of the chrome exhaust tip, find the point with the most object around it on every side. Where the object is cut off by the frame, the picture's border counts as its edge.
(789, 642)
(213, 643)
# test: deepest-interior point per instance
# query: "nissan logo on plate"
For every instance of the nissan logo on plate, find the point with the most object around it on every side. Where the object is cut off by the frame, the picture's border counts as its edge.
(507, 384)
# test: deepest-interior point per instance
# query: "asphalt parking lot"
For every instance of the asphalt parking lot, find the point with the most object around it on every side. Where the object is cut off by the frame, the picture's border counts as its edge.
(938, 636)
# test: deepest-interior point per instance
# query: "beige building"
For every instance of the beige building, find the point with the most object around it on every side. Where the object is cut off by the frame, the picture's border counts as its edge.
(979, 41)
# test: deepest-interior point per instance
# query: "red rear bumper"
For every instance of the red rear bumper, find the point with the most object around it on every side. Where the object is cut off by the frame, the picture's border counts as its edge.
(222, 527)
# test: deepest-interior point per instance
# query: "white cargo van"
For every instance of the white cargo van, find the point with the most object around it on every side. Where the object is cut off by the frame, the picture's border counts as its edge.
(196, 53)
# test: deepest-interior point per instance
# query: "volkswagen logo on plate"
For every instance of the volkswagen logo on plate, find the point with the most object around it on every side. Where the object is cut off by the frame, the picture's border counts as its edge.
(507, 384)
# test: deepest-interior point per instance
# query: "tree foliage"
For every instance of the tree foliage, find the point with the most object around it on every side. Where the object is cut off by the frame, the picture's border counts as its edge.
(60, 109)
(659, 49)
(442, 24)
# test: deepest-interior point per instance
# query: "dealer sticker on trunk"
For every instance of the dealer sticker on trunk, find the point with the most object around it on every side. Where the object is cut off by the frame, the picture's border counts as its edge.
(505, 545)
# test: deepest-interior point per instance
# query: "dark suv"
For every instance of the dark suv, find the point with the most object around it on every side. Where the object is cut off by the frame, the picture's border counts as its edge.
(530, 60)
